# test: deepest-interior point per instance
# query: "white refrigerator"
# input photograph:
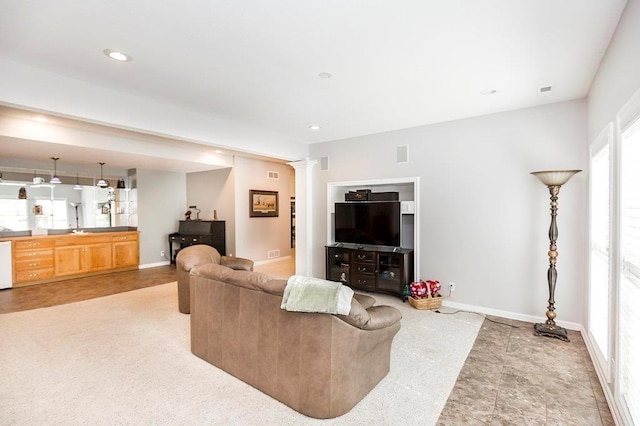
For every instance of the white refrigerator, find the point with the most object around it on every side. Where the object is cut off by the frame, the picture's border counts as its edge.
(6, 273)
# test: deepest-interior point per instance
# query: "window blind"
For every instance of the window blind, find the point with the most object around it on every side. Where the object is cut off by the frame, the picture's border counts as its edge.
(629, 276)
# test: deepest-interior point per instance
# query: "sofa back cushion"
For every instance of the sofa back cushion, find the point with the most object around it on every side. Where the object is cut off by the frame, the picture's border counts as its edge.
(246, 279)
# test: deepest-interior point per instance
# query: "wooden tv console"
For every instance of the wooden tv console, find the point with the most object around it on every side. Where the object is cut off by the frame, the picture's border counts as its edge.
(370, 268)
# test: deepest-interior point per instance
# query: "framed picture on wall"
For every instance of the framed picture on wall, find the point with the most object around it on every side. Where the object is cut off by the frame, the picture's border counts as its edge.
(263, 203)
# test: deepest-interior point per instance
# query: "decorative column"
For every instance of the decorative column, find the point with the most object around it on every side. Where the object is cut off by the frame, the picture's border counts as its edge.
(304, 215)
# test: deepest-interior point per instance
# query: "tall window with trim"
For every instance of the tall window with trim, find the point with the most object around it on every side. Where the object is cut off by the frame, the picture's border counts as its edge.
(629, 272)
(599, 262)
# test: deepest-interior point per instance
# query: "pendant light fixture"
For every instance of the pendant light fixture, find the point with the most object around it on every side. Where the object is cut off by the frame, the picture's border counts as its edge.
(55, 178)
(102, 183)
(77, 186)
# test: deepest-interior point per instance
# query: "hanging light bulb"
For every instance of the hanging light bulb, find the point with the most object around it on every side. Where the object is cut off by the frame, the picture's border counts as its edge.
(102, 183)
(55, 178)
(77, 186)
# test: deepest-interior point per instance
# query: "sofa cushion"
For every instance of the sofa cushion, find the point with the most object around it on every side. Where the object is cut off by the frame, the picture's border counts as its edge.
(197, 255)
(365, 301)
(358, 316)
(246, 279)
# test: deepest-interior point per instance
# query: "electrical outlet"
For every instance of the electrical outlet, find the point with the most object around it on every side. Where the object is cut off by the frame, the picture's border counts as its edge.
(162, 253)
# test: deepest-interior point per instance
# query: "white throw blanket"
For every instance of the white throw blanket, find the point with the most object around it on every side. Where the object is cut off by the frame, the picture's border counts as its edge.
(308, 294)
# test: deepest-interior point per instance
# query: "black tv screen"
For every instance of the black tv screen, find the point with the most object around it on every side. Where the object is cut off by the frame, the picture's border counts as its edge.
(375, 223)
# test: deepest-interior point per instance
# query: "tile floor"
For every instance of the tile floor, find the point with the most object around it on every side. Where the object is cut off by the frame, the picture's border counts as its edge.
(512, 377)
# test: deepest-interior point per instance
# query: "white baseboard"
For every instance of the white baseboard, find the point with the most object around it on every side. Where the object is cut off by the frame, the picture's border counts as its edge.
(277, 259)
(154, 265)
(508, 314)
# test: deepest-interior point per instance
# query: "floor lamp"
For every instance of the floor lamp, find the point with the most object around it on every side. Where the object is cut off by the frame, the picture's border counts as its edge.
(554, 179)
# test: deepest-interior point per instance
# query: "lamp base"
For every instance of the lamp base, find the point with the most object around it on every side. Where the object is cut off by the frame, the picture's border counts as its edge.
(542, 329)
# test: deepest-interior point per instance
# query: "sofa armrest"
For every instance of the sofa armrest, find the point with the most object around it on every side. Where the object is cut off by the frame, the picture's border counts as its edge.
(237, 263)
(382, 317)
(192, 256)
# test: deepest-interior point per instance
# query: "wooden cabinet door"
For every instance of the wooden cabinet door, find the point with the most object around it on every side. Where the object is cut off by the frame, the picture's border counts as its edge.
(69, 260)
(98, 257)
(125, 254)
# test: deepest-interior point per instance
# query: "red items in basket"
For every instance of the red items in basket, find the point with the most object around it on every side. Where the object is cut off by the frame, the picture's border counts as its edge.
(420, 289)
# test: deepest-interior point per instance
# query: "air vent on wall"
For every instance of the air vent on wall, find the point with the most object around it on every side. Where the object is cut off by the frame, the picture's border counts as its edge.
(272, 254)
(324, 163)
(544, 91)
(273, 175)
(402, 154)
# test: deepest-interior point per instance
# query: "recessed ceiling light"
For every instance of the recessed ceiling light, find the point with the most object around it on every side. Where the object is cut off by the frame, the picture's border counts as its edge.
(488, 92)
(41, 118)
(325, 75)
(118, 56)
(218, 151)
(314, 127)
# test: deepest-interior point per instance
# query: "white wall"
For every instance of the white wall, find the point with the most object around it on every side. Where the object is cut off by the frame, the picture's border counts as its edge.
(214, 190)
(483, 217)
(619, 74)
(257, 235)
(162, 201)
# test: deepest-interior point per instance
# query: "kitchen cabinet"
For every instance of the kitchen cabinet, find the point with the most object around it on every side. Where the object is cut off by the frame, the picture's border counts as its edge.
(32, 260)
(38, 260)
(125, 251)
(82, 254)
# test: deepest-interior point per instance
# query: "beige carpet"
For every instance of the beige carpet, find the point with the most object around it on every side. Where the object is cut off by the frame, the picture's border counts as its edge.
(125, 359)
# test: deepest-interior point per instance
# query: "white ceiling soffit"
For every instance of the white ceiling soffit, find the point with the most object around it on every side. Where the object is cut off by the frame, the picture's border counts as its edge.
(245, 74)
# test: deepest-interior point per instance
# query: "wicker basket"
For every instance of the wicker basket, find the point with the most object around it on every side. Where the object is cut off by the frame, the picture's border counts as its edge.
(426, 303)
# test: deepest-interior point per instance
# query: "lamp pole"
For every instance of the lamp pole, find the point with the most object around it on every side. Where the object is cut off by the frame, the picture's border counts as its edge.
(554, 180)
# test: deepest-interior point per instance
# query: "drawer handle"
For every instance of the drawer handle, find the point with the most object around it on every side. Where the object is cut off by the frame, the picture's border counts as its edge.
(362, 256)
(33, 264)
(362, 282)
(33, 244)
(362, 269)
(34, 275)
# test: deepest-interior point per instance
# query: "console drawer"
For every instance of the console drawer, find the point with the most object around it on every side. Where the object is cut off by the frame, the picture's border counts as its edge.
(364, 257)
(364, 268)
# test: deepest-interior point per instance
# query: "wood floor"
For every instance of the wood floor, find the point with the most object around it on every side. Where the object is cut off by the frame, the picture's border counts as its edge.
(75, 290)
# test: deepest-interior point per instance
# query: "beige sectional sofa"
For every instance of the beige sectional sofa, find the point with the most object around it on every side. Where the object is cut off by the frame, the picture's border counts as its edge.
(321, 365)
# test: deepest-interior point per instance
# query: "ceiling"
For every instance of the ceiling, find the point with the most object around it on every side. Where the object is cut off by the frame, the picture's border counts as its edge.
(393, 64)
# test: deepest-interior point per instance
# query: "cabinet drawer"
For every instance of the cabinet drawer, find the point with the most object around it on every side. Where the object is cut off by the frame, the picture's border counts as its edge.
(34, 275)
(81, 240)
(363, 282)
(36, 263)
(33, 244)
(364, 256)
(125, 237)
(33, 254)
(364, 268)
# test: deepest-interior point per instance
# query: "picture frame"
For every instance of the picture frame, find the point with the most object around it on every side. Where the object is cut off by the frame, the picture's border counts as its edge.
(263, 203)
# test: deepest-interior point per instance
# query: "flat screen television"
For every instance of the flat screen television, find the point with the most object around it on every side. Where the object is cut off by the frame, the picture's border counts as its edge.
(376, 222)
